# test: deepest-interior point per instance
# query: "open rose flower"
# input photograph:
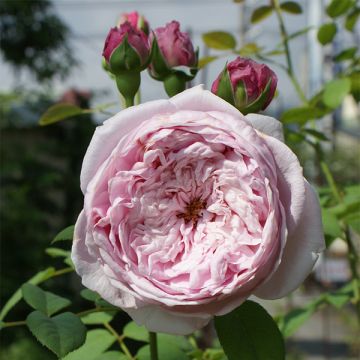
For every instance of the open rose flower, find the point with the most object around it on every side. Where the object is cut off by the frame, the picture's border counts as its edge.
(190, 208)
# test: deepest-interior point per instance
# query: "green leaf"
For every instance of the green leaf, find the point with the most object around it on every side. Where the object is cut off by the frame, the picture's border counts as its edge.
(17, 296)
(249, 49)
(301, 115)
(250, 331)
(261, 13)
(351, 19)
(65, 234)
(98, 318)
(316, 134)
(219, 40)
(112, 355)
(100, 302)
(44, 301)
(59, 112)
(299, 33)
(214, 354)
(338, 7)
(61, 334)
(291, 7)
(57, 252)
(97, 342)
(330, 224)
(338, 298)
(136, 332)
(89, 295)
(347, 54)
(180, 341)
(335, 92)
(166, 352)
(206, 60)
(326, 33)
(69, 262)
(295, 319)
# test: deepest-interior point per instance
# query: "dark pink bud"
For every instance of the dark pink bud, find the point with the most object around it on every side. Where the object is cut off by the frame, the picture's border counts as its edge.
(175, 46)
(249, 81)
(136, 39)
(136, 20)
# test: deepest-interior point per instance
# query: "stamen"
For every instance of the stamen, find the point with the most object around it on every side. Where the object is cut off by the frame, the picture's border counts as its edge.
(193, 210)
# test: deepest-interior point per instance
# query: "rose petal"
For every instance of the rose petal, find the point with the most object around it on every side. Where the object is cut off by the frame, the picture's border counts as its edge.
(108, 135)
(267, 125)
(199, 99)
(157, 319)
(301, 251)
(92, 274)
(290, 181)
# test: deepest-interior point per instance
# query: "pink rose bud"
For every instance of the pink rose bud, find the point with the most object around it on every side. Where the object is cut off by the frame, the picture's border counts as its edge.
(175, 46)
(174, 60)
(246, 84)
(136, 20)
(126, 49)
(126, 53)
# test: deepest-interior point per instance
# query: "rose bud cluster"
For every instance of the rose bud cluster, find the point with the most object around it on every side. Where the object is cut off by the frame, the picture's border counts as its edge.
(246, 84)
(136, 20)
(126, 53)
(190, 208)
(174, 60)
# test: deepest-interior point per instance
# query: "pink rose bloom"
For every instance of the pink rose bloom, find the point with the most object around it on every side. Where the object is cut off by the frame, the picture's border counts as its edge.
(190, 208)
(253, 75)
(137, 40)
(136, 20)
(175, 46)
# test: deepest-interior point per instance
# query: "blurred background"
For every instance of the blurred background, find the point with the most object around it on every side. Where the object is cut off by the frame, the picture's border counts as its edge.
(51, 52)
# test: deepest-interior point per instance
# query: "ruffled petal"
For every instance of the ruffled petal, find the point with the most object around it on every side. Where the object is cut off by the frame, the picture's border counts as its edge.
(91, 272)
(290, 182)
(267, 125)
(108, 135)
(301, 251)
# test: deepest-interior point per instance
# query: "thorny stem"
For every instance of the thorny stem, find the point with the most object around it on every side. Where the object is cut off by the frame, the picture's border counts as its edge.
(120, 340)
(285, 41)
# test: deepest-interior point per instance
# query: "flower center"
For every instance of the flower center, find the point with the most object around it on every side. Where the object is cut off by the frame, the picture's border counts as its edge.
(193, 210)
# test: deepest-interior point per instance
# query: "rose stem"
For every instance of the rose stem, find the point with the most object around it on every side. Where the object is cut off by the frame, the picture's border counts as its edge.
(285, 39)
(153, 346)
(120, 339)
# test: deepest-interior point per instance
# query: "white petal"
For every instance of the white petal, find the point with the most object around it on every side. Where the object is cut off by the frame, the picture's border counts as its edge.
(108, 135)
(267, 125)
(157, 319)
(301, 251)
(198, 99)
(91, 272)
(290, 181)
